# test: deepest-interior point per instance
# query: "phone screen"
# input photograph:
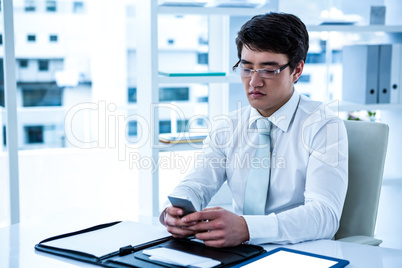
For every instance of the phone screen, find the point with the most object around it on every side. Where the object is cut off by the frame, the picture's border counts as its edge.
(182, 202)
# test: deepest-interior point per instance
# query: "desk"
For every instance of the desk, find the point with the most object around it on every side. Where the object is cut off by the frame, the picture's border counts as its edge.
(17, 247)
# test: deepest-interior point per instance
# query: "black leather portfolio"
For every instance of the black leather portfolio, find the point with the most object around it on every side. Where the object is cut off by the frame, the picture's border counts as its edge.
(124, 244)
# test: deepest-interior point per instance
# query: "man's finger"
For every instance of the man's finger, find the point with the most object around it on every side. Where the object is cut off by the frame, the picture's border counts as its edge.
(202, 226)
(215, 243)
(176, 221)
(174, 211)
(179, 232)
(209, 235)
(201, 216)
(214, 208)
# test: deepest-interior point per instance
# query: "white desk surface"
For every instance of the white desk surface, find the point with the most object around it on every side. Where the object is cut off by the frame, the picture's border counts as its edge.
(17, 246)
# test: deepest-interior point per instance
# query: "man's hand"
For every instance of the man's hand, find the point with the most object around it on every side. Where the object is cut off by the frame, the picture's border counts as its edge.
(175, 225)
(217, 227)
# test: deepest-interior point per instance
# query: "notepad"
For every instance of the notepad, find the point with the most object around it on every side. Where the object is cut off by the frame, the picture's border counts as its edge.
(284, 257)
(104, 241)
(124, 244)
(176, 257)
(182, 137)
(290, 259)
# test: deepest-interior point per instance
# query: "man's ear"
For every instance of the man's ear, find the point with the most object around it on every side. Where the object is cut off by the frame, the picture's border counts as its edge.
(298, 71)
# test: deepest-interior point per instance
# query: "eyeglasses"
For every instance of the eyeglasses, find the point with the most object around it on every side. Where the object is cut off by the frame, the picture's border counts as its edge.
(263, 73)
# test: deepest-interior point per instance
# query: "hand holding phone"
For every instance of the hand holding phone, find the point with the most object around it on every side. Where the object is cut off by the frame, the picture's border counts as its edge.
(182, 202)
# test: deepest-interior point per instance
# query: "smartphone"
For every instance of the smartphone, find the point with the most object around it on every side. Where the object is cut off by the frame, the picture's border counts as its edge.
(182, 202)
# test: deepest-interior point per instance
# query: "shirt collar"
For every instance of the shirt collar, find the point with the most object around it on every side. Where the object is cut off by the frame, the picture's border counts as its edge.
(282, 117)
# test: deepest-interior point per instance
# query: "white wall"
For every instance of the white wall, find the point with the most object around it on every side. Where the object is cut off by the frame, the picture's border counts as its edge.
(393, 162)
(53, 181)
(57, 180)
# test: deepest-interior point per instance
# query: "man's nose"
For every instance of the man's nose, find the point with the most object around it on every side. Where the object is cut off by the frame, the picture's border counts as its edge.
(256, 80)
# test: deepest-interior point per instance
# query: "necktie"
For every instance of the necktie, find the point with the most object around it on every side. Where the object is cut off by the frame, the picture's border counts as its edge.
(258, 177)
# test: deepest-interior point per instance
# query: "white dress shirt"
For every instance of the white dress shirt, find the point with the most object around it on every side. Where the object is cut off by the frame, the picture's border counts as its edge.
(308, 179)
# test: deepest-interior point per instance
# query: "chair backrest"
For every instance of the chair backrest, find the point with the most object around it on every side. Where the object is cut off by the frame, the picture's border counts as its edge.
(367, 150)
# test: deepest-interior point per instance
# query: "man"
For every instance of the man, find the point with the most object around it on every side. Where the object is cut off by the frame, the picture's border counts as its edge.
(307, 174)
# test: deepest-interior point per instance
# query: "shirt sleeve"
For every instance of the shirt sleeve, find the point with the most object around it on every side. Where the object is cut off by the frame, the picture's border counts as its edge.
(325, 191)
(207, 175)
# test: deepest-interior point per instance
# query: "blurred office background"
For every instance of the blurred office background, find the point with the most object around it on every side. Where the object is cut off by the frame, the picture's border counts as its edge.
(78, 124)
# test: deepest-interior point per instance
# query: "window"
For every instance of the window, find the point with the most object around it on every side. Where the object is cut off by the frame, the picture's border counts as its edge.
(304, 78)
(202, 99)
(201, 122)
(315, 58)
(1, 81)
(336, 56)
(78, 7)
(132, 128)
(4, 136)
(23, 63)
(2, 96)
(182, 126)
(132, 95)
(53, 38)
(174, 94)
(43, 65)
(33, 134)
(320, 57)
(1, 39)
(30, 6)
(202, 58)
(50, 6)
(202, 40)
(31, 38)
(165, 126)
(130, 11)
(42, 95)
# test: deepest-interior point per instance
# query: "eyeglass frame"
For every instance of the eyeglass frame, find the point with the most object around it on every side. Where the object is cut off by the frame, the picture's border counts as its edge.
(276, 71)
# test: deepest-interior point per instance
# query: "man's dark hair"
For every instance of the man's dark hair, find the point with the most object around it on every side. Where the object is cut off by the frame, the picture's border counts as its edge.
(275, 32)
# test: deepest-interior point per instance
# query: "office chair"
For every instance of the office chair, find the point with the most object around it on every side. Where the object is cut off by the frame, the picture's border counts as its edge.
(367, 149)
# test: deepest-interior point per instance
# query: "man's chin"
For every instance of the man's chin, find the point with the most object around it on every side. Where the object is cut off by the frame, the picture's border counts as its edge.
(263, 110)
(257, 105)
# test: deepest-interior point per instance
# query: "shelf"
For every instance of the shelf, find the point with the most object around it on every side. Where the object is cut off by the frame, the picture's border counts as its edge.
(169, 147)
(241, 11)
(355, 28)
(231, 78)
(234, 11)
(345, 106)
(391, 181)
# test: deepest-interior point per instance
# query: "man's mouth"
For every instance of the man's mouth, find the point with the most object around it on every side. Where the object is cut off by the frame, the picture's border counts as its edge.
(256, 94)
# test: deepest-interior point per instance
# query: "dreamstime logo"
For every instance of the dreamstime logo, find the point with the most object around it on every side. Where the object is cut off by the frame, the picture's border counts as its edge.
(109, 127)
(183, 164)
(171, 161)
(241, 161)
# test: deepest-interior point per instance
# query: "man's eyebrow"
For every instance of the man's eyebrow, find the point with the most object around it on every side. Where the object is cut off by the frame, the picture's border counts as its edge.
(245, 62)
(270, 63)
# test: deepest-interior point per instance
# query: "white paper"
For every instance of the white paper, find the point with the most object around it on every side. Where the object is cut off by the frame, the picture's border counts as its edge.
(180, 258)
(107, 240)
(290, 259)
